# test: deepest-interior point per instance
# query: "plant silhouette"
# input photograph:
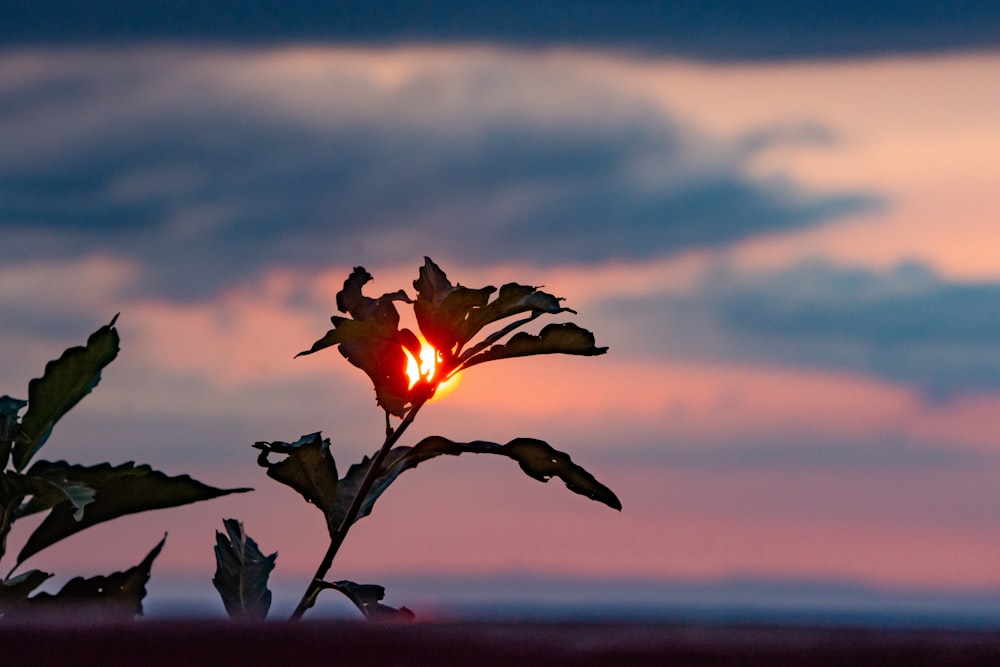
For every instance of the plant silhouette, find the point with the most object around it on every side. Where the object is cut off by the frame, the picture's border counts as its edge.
(466, 327)
(75, 497)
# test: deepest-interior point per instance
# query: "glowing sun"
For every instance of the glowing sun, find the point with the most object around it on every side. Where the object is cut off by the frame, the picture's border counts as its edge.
(426, 367)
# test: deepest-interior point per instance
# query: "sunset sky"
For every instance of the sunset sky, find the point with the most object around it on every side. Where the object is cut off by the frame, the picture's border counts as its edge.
(784, 224)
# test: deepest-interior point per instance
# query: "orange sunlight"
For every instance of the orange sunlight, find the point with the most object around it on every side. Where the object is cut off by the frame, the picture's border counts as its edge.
(426, 368)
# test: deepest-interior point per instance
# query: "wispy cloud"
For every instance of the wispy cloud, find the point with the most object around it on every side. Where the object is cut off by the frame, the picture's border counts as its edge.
(205, 167)
(906, 325)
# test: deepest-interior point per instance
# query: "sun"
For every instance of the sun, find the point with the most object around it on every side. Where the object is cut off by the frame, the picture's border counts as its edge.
(426, 367)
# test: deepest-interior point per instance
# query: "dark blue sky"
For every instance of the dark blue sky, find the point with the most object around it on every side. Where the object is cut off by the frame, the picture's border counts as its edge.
(711, 29)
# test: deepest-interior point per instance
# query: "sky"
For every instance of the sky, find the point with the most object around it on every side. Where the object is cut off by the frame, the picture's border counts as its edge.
(781, 221)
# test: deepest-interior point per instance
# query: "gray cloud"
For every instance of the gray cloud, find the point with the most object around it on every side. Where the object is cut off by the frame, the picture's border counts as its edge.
(144, 155)
(906, 325)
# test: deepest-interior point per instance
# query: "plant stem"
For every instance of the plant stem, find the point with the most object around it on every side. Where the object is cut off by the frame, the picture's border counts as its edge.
(337, 538)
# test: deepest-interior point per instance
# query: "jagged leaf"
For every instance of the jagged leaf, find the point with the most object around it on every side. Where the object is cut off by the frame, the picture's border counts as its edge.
(367, 598)
(119, 490)
(116, 596)
(47, 491)
(349, 331)
(16, 590)
(9, 409)
(308, 468)
(66, 380)
(345, 331)
(44, 494)
(566, 338)
(350, 485)
(540, 461)
(451, 315)
(513, 299)
(378, 351)
(241, 573)
(12, 493)
(373, 341)
(432, 283)
(536, 458)
(442, 309)
(384, 361)
(351, 300)
(9, 428)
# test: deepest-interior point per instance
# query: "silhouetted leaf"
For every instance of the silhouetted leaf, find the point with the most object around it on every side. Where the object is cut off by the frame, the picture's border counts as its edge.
(47, 491)
(351, 300)
(540, 461)
(16, 590)
(241, 573)
(44, 494)
(566, 338)
(367, 598)
(350, 484)
(442, 309)
(535, 457)
(9, 408)
(308, 468)
(372, 341)
(66, 380)
(119, 490)
(117, 596)
(513, 299)
(384, 361)
(12, 494)
(9, 428)
(353, 331)
(432, 283)
(451, 315)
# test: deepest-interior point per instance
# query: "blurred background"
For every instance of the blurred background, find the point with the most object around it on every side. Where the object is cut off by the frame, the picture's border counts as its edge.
(782, 218)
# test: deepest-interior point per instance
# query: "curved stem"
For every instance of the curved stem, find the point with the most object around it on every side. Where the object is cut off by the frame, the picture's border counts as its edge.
(337, 538)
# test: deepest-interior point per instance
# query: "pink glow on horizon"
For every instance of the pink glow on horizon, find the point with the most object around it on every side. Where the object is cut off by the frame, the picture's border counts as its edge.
(468, 517)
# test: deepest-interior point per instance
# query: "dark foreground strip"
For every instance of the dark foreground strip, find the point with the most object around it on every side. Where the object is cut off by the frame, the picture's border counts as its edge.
(217, 643)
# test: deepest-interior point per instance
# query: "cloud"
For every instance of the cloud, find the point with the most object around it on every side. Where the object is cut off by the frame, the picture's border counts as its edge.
(712, 29)
(906, 325)
(202, 167)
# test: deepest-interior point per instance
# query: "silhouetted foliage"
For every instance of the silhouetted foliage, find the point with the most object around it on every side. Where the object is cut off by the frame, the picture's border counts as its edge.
(75, 497)
(455, 321)
(242, 572)
(466, 327)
